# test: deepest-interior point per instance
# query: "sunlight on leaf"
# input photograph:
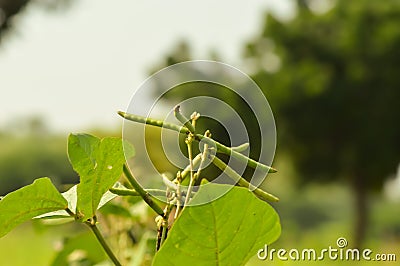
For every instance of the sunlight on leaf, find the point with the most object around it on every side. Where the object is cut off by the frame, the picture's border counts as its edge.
(81, 149)
(99, 165)
(226, 231)
(27, 202)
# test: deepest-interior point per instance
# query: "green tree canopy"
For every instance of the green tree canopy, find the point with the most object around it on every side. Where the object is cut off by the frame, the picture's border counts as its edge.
(11, 8)
(332, 81)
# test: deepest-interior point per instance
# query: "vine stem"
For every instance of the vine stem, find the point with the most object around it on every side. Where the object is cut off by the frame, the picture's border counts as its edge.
(143, 193)
(91, 223)
(164, 233)
(133, 193)
(103, 243)
(191, 183)
(190, 125)
(195, 162)
(178, 194)
(204, 154)
(197, 175)
(198, 137)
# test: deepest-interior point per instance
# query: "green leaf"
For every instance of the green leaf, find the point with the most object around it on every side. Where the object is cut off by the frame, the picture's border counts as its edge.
(226, 231)
(71, 196)
(129, 150)
(81, 149)
(27, 202)
(99, 165)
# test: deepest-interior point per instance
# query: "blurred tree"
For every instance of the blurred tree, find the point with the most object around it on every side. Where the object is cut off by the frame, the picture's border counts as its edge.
(10, 8)
(221, 121)
(332, 80)
(28, 150)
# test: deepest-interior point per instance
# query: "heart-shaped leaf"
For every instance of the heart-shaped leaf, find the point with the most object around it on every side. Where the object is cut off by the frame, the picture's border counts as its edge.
(99, 165)
(226, 231)
(27, 202)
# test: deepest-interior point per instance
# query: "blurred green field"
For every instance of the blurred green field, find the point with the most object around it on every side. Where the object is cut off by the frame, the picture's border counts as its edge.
(34, 243)
(28, 246)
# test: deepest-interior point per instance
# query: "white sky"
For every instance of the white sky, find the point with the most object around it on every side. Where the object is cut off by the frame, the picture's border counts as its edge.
(77, 68)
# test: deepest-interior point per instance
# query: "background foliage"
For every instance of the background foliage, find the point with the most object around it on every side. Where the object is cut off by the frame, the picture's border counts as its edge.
(335, 93)
(331, 79)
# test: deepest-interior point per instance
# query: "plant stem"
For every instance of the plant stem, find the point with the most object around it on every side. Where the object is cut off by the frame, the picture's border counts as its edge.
(198, 137)
(71, 213)
(197, 175)
(133, 193)
(203, 159)
(196, 160)
(92, 225)
(178, 194)
(162, 226)
(164, 234)
(241, 181)
(189, 141)
(191, 183)
(143, 193)
(165, 225)
(103, 243)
